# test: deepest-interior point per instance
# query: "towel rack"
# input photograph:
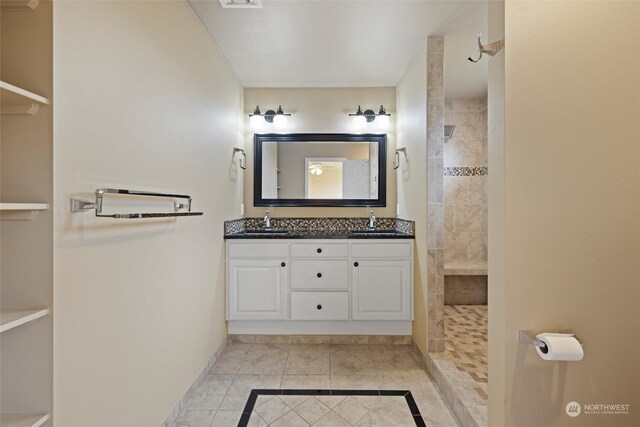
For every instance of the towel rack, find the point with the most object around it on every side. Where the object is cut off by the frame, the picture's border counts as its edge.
(79, 205)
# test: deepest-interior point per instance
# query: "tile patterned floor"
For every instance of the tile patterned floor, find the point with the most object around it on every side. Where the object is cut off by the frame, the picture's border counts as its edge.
(466, 342)
(348, 409)
(220, 399)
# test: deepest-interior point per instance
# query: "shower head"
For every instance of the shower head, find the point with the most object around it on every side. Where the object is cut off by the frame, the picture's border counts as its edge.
(448, 132)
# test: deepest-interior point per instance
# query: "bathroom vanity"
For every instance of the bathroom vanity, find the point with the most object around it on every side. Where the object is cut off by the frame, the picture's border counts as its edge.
(319, 282)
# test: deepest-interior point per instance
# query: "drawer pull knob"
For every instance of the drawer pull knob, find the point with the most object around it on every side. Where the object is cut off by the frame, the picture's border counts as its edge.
(319, 275)
(319, 306)
(283, 264)
(355, 264)
(319, 250)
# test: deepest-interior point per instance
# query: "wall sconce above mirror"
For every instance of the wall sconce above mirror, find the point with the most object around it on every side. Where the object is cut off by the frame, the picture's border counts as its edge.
(277, 117)
(361, 118)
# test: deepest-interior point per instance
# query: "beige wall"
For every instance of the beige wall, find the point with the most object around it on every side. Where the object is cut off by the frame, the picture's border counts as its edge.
(139, 304)
(320, 110)
(566, 223)
(411, 103)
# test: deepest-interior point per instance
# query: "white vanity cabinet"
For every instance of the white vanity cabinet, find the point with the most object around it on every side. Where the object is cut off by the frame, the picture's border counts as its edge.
(301, 286)
(257, 289)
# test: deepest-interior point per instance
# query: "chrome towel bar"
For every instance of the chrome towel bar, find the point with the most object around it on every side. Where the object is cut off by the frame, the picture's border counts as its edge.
(79, 205)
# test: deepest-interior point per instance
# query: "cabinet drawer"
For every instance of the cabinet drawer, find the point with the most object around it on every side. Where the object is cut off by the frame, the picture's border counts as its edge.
(319, 305)
(319, 274)
(319, 250)
(382, 250)
(257, 250)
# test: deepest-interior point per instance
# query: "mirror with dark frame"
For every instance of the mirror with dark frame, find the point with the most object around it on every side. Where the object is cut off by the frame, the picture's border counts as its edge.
(320, 169)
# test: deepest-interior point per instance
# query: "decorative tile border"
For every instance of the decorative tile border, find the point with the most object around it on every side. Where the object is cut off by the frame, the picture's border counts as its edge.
(326, 224)
(466, 171)
(255, 393)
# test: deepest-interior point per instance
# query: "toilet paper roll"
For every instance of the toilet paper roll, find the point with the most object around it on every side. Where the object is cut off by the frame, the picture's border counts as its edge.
(559, 347)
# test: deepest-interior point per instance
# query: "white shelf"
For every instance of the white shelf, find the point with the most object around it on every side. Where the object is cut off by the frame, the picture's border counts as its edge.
(21, 210)
(13, 317)
(19, 4)
(16, 100)
(465, 269)
(18, 419)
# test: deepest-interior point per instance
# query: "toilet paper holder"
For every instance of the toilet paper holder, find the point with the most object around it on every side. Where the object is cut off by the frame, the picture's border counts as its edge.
(529, 337)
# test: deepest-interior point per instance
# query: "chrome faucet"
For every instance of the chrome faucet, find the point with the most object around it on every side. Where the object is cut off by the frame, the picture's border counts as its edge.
(372, 220)
(267, 220)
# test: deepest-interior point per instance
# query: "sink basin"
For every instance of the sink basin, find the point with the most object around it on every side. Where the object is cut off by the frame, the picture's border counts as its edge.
(268, 231)
(373, 231)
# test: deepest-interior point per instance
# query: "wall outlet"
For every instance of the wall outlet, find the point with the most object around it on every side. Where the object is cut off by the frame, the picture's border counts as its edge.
(241, 209)
(397, 209)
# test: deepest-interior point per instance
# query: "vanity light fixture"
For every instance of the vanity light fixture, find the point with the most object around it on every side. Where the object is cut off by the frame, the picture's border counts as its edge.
(368, 115)
(278, 117)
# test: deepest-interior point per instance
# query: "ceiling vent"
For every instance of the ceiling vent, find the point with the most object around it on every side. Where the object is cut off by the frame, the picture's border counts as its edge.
(247, 4)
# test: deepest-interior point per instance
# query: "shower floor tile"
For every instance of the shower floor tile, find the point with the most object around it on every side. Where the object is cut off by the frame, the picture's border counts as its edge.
(466, 342)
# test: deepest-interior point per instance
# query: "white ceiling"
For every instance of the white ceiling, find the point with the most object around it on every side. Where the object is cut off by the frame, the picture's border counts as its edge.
(346, 43)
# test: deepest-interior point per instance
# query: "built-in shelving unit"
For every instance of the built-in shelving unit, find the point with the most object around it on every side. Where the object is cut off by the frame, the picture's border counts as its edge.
(13, 317)
(26, 326)
(21, 210)
(16, 100)
(17, 419)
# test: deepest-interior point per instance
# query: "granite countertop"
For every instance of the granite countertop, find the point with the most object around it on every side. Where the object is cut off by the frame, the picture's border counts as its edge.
(280, 233)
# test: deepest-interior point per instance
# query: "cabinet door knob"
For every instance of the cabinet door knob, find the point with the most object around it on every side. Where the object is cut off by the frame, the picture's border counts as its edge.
(319, 250)
(283, 264)
(319, 306)
(355, 264)
(319, 275)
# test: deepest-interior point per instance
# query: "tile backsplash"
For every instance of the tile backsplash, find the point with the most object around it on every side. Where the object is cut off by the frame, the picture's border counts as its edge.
(237, 225)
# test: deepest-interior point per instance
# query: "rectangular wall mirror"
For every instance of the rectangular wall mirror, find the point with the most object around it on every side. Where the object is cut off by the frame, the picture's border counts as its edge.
(320, 169)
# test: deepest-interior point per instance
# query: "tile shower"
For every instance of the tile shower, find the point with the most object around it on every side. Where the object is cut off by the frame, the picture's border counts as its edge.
(465, 199)
(461, 370)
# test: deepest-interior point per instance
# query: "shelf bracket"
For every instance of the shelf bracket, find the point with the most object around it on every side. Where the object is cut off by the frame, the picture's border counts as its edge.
(30, 108)
(19, 4)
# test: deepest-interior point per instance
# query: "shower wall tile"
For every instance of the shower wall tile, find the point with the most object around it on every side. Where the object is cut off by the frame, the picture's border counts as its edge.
(465, 181)
(468, 152)
(456, 246)
(435, 193)
(465, 290)
(456, 190)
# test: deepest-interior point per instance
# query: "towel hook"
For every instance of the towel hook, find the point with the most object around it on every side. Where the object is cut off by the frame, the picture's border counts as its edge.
(402, 150)
(489, 49)
(243, 161)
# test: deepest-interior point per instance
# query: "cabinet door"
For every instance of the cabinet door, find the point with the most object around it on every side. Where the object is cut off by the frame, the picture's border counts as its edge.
(257, 290)
(381, 289)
